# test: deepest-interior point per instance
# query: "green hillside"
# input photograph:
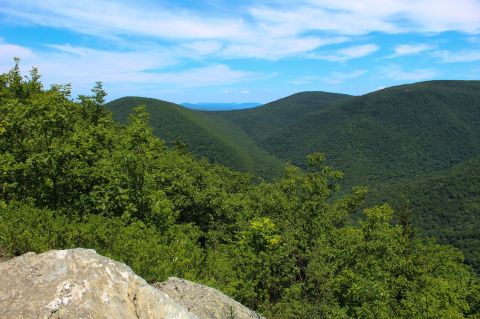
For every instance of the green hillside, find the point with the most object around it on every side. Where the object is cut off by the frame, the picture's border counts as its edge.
(419, 140)
(205, 134)
(263, 121)
(444, 205)
(389, 134)
(287, 248)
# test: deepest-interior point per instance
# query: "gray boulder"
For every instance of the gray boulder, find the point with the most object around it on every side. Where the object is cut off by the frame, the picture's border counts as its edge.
(203, 301)
(79, 283)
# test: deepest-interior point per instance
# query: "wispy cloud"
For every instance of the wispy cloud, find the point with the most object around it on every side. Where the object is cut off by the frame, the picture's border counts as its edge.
(124, 69)
(8, 51)
(306, 79)
(396, 73)
(200, 32)
(164, 44)
(340, 77)
(274, 49)
(410, 49)
(259, 31)
(349, 53)
(362, 17)
(100, 17)
(202, 48)
(458, 56)
(218, 74)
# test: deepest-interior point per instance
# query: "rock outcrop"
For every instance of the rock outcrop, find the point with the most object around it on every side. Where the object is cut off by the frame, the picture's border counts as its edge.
(203, 301)
(79, 283)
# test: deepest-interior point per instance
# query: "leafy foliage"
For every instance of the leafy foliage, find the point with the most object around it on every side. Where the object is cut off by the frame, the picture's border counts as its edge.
(70, 176)
(418, 140)
(443, 205)
(386, 140)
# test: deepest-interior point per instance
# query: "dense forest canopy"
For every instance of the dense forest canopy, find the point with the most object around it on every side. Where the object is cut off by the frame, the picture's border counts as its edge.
(204, 133)
(414, 145)
(70, 176)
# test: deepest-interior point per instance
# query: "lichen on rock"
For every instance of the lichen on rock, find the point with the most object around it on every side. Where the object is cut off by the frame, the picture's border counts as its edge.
(79, 283)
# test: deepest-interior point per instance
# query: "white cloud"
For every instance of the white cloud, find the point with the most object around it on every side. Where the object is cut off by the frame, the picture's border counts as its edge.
(8, 51)
(100, 17)
(147, 39)
(270, 31)
(333, 78)
(300, 18)
(212, 75)
(410, 49)
(396, 73)
(203, 47)
(123, 71)
(340, 77)
(274, 49)
(407, 15)
(458, 56)
(357, 51)
(349, 53)
(303, 80)
(362, 17)
(85, 65)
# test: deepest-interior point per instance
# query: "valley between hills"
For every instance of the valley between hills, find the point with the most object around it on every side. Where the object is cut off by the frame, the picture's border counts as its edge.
(416, 146)
(318, 205)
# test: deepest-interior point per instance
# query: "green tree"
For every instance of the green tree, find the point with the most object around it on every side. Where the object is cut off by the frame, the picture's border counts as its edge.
(70, 176)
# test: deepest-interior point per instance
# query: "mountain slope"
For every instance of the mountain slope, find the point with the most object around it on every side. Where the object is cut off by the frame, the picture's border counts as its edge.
(389, 134)
(444, 204)
(420, 140)
(205, 134)
(265, 120)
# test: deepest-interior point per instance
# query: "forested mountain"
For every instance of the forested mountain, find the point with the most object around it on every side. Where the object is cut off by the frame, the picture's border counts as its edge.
(389, 134)
(227, 137)
(385, 135)
(288, 248)
(412, 138)
(421, 141)
(266, 120)
(443, 205)
(203, 133)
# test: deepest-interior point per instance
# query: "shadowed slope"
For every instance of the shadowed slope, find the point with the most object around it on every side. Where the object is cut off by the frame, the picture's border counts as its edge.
(205, 134)
(389, 134)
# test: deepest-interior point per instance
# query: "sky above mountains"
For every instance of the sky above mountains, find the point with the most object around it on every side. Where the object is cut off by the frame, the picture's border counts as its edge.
(241, 51)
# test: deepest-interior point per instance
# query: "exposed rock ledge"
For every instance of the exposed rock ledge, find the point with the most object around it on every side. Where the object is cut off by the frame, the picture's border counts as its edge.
(79, 283)
(203, 301)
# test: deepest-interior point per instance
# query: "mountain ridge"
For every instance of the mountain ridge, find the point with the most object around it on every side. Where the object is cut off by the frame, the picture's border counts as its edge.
(205, 134)
(401, 136)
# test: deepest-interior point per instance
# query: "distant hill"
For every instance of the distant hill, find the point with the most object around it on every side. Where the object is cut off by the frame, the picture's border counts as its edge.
(394, 133)
(419, 142)
(389, 134)
(267, 119)
(205, 134)
(219, 106)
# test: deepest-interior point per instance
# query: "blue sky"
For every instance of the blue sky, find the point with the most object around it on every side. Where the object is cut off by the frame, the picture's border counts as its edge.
(241, 51)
